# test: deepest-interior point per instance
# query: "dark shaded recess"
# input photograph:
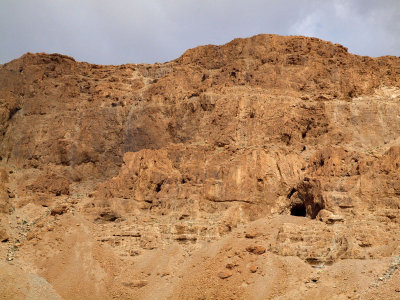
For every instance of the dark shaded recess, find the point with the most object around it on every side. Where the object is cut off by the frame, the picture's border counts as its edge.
(292, 191)
(158, 186)
(298, 210)
(286, 138)
(321, 162)
(194, 95)
(316, 209)
(13, 111)
(313, 261)
(304, 133)
(108, 216)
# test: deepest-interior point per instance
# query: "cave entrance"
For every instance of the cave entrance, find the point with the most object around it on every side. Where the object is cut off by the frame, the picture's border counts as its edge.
(298, 210)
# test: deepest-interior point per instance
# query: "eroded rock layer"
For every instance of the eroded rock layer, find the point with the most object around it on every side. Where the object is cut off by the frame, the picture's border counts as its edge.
(266, 168)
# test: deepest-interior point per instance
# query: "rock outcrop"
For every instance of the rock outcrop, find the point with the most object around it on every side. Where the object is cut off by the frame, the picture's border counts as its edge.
(268, 167)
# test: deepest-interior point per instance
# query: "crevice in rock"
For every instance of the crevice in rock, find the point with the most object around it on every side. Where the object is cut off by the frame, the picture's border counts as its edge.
(292, 191)
(13, 111)
(304, 133)
(158, 186)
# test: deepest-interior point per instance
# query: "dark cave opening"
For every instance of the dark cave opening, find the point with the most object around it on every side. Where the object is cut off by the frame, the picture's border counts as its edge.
(298, 210)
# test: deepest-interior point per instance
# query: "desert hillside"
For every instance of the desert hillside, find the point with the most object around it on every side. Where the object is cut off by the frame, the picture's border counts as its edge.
(265, 168)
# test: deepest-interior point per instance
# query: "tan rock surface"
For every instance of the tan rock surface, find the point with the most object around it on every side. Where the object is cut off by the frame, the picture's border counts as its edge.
(266, 168)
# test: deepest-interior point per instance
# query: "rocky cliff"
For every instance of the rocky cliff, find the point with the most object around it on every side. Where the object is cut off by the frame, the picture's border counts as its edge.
(266, 168)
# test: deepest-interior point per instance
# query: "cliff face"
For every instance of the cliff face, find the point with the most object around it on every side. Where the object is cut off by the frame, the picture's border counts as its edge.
(262, 168)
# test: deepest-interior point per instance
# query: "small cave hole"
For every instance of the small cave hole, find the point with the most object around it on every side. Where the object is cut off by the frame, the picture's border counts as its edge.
(298, 210)
(108, 216)
(158, 186)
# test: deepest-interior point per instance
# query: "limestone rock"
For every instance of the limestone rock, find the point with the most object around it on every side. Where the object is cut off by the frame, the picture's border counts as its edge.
(288, 146)
(256, 249)
(225, 274)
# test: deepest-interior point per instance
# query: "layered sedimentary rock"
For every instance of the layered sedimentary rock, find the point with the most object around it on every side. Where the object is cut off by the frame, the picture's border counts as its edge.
(268, 167)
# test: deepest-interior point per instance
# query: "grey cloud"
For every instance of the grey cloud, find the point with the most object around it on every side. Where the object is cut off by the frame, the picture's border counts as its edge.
(120, 31)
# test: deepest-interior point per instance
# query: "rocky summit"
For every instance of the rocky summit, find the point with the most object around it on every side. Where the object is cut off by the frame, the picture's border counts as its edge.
(265, 168)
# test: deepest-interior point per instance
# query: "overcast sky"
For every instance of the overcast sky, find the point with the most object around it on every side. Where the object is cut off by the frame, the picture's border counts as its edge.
(135, 31)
